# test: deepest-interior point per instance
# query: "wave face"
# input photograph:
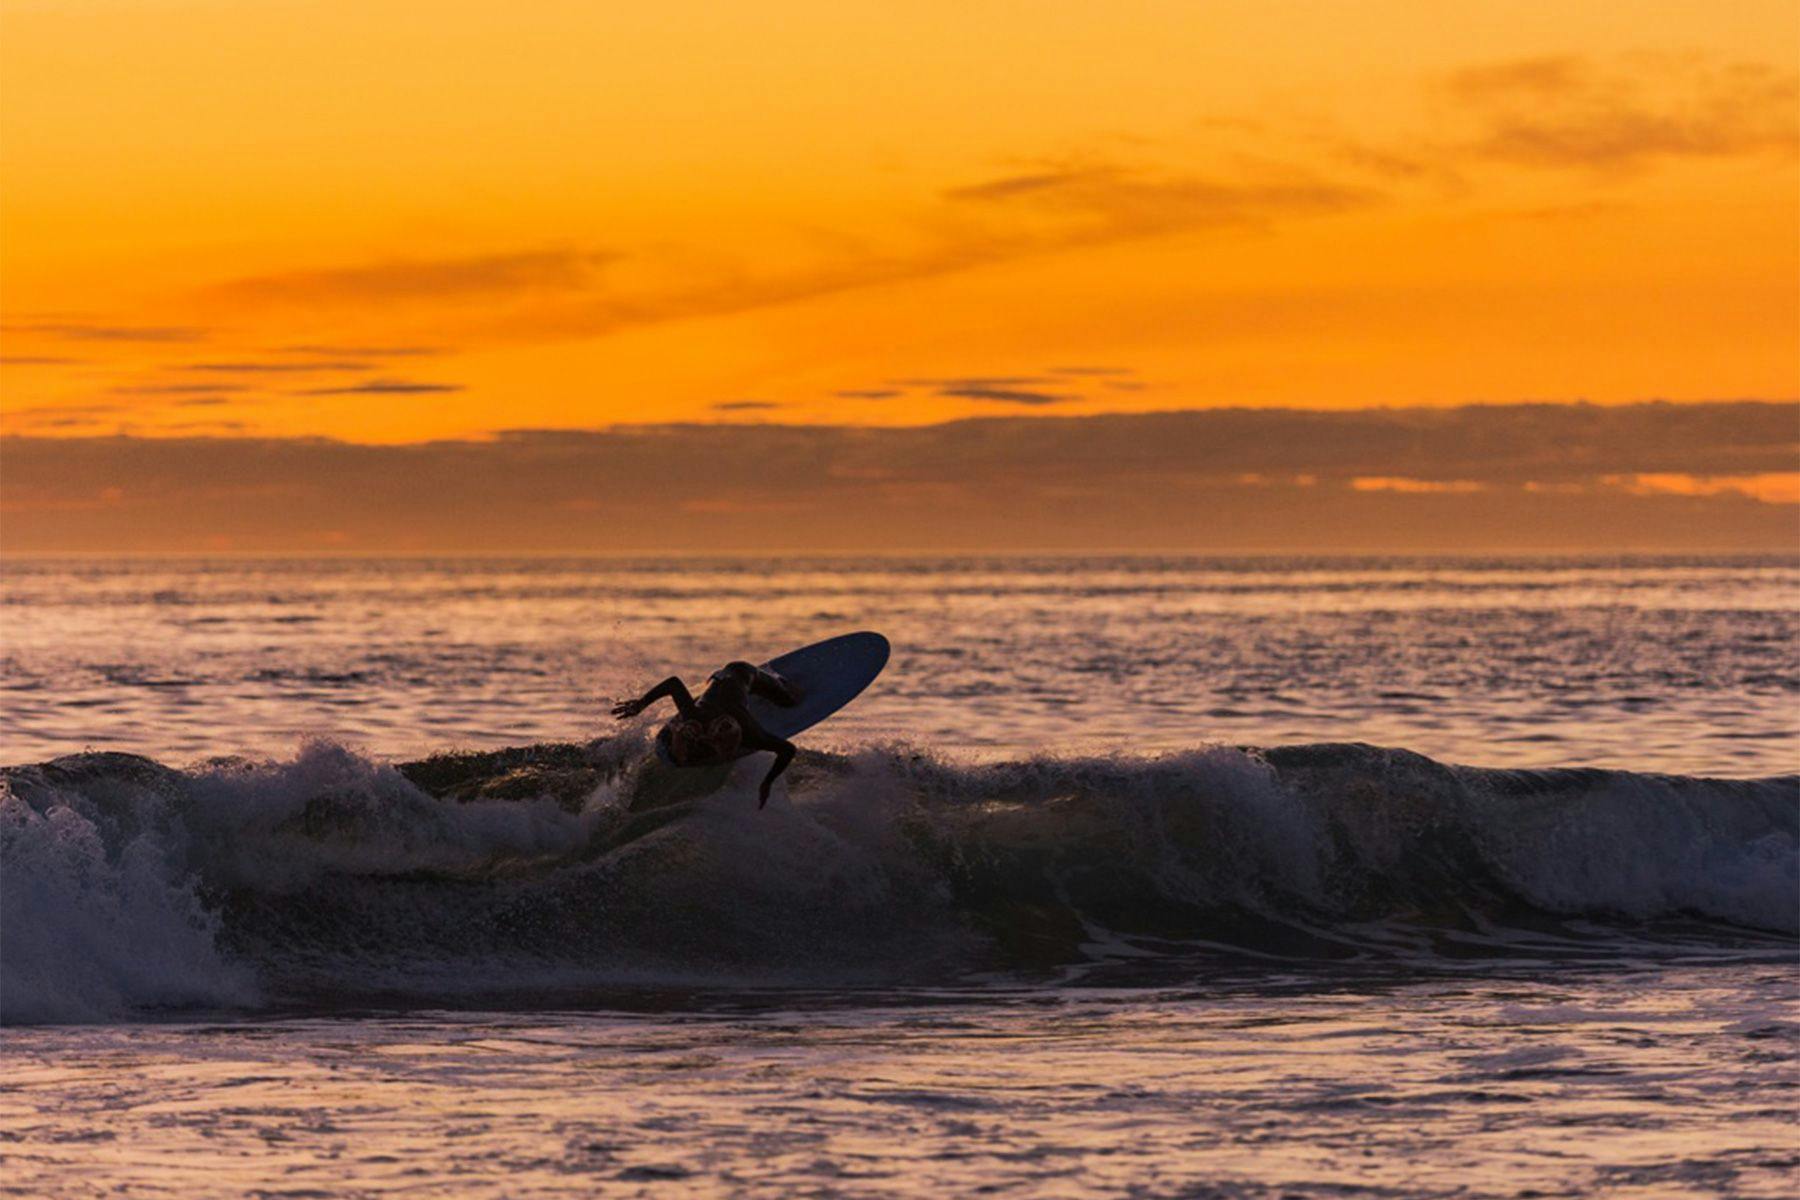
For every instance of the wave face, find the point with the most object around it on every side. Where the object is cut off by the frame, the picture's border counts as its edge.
(532, 872)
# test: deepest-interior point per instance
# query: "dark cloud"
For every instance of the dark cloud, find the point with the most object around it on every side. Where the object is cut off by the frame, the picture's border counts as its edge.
(176, 389)
(1007, 395)
(744, 406)
(1575, 112)
(972, 381)
(252, 367)
(393, 280)
(362, 351)
(1114, 202)
(384, 387)
(1585, 210)
(70, 410)
(1001, 389)
(869, 394)
(203, 402)
(1544, 77)
(1012, 186)
(210, 426)
(1479, 479)
(83, 331)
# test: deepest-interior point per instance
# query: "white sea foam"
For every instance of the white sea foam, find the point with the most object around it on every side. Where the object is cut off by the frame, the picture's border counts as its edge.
(90, 931)
(130, 886)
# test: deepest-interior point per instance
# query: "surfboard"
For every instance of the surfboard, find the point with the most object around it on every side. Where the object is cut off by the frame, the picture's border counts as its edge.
(828, 674)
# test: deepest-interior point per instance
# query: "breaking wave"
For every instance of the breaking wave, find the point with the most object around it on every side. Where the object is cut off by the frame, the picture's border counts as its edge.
(528, 874)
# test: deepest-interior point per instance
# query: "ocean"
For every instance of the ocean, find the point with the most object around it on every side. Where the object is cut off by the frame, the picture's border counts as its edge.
(1130, 877)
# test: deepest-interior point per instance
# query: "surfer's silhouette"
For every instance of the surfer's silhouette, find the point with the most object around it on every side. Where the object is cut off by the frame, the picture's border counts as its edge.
(718, 726)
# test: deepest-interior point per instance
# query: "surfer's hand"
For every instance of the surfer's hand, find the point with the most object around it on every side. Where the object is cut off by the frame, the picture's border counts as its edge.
(625, 709)
(763, 796)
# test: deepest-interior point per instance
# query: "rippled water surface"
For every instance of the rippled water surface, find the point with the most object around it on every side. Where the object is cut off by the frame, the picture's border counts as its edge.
(1643, 1083)
(1073, 907)
(1675, 665)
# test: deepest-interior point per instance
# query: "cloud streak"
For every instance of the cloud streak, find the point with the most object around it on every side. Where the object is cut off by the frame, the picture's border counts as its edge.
(384, 387)
(1028, 391)
(83, 331)
(1112, 202)
(1008, 395)
(1574, 112)
(1604, 115)
(353, 351)
(177, 389)
(250, 367)
(569, 293)
(410, 279)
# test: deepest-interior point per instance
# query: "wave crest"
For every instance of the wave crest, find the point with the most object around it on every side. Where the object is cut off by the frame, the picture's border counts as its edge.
(128, 884)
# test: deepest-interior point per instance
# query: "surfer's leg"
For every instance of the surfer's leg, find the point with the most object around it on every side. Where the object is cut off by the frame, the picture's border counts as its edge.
(758, 739)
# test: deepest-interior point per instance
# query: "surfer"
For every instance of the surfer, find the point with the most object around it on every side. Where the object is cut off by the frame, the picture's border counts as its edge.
(714, 728)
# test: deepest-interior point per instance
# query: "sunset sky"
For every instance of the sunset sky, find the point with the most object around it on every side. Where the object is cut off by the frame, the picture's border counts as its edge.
(394, 222)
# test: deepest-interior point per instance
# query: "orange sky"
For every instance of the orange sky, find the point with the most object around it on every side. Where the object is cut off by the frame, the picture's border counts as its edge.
(393, 221)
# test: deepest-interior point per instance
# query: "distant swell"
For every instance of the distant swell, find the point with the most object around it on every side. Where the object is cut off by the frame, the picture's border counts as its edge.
(126, 885)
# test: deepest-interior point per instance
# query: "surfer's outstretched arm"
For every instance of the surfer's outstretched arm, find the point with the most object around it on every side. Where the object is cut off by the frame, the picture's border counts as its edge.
(671, 687)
